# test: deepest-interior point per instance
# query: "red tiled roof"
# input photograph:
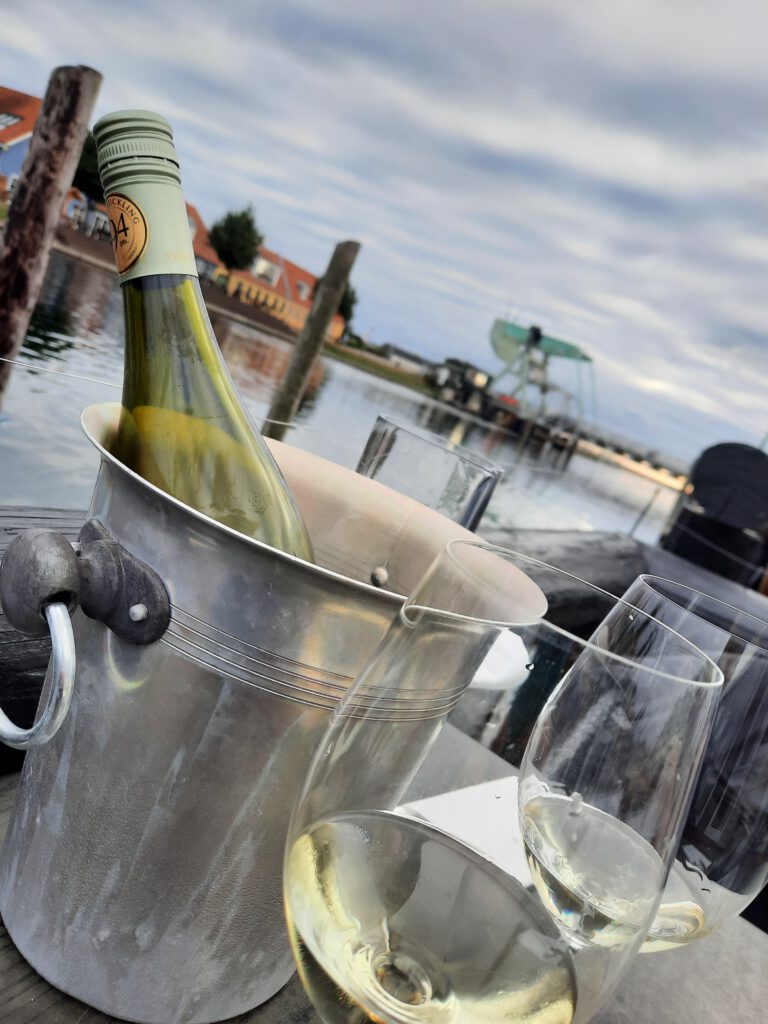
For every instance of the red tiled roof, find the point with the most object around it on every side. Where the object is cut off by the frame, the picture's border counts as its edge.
(18, 104)
(201, 243)
(290, 277)
(297, 275)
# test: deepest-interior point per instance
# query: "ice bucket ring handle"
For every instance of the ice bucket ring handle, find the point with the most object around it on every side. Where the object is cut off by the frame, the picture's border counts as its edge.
(61, 674)
(43, 578)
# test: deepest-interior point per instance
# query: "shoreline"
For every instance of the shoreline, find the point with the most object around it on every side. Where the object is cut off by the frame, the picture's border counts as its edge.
(662, 477)
(74, 245)
(91, 251)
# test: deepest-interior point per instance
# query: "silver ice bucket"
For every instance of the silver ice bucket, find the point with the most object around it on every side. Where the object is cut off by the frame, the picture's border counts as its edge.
(142, 869)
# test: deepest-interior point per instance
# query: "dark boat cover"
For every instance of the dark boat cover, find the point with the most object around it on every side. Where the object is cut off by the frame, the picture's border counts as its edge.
(730, 482)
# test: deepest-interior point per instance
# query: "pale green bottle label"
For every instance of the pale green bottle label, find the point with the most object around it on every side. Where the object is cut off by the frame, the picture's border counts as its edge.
(150, 230)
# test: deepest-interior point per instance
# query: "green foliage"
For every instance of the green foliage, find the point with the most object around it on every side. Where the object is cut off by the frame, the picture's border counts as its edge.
(347, 304)
(236, 239)
(87, 173)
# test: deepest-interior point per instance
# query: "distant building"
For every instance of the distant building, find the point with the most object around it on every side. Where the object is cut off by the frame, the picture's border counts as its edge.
(276, 284)
(272, 282)
(73, 207)
(87, 216)
(281, 287)
(410, 362)
(97, 220)
(18, 114)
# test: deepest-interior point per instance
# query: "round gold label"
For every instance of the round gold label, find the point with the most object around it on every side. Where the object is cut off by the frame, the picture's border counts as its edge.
(129, 230)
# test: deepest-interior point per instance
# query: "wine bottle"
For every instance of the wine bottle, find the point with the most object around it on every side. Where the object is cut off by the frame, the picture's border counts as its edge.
(182, 426)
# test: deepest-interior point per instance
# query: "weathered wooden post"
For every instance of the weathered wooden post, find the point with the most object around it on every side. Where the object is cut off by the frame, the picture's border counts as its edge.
(310, 341)
(45, 177)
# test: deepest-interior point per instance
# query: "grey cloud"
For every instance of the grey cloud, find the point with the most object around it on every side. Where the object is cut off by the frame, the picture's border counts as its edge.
(733, 338)
(535, 49)
(708, 112)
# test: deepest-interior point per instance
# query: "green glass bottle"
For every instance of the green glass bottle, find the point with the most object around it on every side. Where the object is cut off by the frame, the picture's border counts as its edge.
(183, 426)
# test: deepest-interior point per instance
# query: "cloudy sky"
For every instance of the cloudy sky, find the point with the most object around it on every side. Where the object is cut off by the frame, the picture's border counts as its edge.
(599, 168)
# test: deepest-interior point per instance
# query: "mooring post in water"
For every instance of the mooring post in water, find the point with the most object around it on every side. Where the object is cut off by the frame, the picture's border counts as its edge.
(47, 173)
(309, 343)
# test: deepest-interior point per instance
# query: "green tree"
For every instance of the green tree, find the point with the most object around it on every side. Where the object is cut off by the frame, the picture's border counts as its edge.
(347, 305)
(236, 239)
(346, 309)
(87, 174)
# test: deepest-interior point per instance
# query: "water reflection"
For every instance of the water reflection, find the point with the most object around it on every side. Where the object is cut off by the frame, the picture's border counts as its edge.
(78, 328)
(50, 333)
(484, 438)
(258, 362)
(87, 297)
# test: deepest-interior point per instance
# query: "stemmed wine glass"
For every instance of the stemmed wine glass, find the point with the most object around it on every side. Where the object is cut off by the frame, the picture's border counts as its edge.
(411, 893)
(722, 860)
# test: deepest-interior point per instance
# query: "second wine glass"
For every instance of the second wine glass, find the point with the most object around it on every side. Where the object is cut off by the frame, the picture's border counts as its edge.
(722, 860)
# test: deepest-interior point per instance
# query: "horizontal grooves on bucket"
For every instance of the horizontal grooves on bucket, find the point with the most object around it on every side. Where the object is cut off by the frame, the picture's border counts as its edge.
(248, 663)
(230, 656)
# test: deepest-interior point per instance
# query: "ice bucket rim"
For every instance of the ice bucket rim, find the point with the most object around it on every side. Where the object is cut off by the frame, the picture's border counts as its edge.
(108, 412)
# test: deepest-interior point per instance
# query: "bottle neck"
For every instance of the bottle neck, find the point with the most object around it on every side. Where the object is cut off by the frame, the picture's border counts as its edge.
(149, 228)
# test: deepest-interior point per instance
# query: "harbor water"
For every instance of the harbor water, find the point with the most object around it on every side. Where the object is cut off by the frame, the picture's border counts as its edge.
(77, 330)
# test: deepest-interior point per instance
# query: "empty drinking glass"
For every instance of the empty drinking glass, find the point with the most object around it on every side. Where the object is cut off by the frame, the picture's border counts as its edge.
(453, 480)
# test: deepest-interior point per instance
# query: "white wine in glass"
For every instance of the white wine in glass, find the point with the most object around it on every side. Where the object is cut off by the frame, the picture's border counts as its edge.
(597, 876)
(391, 919)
